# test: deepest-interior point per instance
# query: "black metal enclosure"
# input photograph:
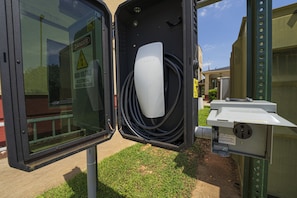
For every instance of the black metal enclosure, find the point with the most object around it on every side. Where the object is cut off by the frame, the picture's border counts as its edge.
(57, 75)
(173, 23)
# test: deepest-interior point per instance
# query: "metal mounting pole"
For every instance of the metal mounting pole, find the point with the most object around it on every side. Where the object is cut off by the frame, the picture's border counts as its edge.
(259, 55)
(92, 171)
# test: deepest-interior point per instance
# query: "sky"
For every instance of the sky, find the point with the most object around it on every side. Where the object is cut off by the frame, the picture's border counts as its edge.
(218, 29)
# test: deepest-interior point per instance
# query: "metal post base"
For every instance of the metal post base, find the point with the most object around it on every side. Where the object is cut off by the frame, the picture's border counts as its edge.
(92, 171)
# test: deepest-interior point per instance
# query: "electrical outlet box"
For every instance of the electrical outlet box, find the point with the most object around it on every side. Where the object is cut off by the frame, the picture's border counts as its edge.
(244, 128)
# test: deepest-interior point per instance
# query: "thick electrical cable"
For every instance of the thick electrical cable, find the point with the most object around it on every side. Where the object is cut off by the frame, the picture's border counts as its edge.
(134, 119)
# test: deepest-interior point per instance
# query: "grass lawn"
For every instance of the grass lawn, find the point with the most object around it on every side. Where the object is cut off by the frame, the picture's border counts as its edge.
(140, 171)
(203, 114)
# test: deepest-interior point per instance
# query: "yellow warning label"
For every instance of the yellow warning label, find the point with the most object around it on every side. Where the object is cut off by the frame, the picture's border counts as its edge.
(195, 88)
(82, 62)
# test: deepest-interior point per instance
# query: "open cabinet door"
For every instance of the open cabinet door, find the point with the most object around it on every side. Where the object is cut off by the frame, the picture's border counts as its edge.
(156, 53)
(57, 75)
(57, 78)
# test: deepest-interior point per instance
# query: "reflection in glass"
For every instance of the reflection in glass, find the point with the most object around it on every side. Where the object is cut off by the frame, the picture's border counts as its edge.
(63, 71)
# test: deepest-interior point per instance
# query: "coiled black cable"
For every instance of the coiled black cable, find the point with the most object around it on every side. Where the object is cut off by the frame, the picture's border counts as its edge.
(134, 119)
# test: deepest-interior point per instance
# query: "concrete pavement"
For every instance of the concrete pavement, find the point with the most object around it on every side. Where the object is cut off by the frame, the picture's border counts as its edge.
(15, 183)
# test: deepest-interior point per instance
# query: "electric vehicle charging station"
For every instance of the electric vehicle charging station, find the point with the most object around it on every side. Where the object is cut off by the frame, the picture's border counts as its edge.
(244, 127)
(161, 66)
(18, 39)
(70, 106)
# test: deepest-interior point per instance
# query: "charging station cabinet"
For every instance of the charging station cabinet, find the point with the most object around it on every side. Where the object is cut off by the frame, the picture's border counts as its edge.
(58, 80)
(139, 25)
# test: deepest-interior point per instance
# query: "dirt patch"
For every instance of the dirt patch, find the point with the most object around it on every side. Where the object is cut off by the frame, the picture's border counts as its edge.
(144, 170)
(217, 176)
(3, 154)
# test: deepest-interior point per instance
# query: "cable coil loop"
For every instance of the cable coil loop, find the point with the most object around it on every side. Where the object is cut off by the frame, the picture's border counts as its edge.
(134, 119)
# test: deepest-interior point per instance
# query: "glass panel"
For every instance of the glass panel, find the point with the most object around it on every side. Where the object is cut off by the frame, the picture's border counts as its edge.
(63, 71)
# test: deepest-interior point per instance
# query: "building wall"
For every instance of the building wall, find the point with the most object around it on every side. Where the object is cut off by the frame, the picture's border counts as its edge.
(284, 27)
(213, 75)
(282, 172)
(113, 4)
(238, 64)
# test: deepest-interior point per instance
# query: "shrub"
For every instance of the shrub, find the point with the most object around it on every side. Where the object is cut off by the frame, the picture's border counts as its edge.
(212, 93)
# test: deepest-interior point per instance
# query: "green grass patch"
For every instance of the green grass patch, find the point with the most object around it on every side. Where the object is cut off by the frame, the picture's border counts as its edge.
(202, 116)
(139, 171)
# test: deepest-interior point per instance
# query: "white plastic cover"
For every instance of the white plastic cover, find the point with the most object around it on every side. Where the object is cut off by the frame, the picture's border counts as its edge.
(229, 116)
(149, 80)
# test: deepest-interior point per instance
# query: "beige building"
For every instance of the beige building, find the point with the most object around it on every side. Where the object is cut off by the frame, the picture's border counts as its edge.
(212, 78)
(200, 63)
(113, 4)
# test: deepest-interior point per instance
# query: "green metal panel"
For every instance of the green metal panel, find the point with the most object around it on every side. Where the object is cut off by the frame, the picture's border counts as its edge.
(282, 172)
(259, 55)
(284, 27)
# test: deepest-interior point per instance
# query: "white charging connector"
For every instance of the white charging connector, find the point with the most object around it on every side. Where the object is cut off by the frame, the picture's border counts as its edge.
(149, 80)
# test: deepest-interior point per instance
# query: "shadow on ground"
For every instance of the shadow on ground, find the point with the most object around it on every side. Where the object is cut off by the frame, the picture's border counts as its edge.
(72, 173)
(188, 159)
(77, 180)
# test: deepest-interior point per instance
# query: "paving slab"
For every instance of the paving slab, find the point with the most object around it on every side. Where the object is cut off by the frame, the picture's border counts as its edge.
(15, 183)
